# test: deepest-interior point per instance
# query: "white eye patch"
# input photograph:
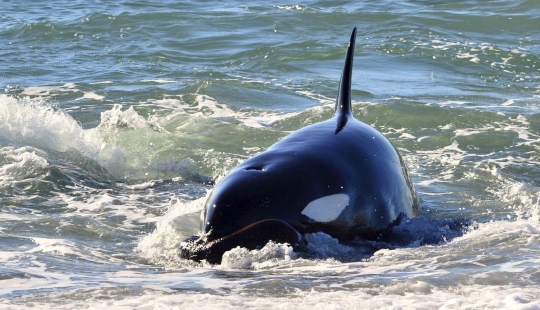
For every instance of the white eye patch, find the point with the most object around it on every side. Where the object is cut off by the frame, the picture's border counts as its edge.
(326, 209)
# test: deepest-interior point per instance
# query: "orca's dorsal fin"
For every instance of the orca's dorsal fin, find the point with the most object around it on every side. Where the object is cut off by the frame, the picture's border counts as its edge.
(343, 101)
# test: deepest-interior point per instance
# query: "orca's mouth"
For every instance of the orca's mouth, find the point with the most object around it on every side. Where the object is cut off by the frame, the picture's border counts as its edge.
(253, 236)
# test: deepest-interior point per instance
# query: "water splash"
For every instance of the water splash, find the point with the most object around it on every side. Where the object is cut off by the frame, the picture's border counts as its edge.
(115, 144)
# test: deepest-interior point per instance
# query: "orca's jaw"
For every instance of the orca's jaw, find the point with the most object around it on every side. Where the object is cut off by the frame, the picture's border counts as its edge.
(253, 236)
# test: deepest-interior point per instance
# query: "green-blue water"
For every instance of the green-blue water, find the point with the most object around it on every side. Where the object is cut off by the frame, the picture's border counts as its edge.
(113, 117)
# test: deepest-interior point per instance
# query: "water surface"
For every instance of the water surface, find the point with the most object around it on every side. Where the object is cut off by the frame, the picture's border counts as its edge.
(115, 117)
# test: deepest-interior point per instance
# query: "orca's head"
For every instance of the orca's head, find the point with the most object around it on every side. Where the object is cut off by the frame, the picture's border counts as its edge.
(264, 187)
(258, 201)
(268, 197)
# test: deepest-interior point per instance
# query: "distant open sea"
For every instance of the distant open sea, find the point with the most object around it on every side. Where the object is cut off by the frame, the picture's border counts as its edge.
(114, 114)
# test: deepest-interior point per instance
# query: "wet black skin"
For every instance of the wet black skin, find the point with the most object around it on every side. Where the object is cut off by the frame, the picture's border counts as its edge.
(339, 156)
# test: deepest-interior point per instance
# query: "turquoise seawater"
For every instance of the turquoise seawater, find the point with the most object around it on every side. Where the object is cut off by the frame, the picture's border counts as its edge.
(114, 117)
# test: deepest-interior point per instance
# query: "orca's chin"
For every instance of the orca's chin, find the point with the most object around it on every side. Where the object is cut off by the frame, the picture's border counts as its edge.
(253, 236)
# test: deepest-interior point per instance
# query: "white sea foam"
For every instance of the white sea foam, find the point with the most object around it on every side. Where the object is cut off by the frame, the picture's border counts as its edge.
(452, 102)
(415, 294)
(141, 186)
(289, 7)
(448, 157)
(407, 136)
(211, 108)
(508, 102)
(91, 95)
(56, 246)
(159, 81)
(270, 256)
(471, 57)
(45, 91)
(318, 97)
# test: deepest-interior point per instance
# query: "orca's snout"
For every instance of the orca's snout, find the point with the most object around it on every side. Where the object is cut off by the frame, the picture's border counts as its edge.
(253, 236)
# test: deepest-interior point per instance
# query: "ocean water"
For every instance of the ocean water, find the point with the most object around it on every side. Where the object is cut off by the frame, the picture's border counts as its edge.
(115, 117)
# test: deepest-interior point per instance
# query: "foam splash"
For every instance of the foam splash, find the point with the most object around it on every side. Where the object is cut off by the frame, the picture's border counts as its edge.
(182, 220)
(17, 164)
(520, 201)
(116, 119)
(38, 124)
(270, 256)
(112, 144)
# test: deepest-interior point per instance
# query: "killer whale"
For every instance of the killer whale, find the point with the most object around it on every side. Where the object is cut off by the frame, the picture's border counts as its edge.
(340, 176)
